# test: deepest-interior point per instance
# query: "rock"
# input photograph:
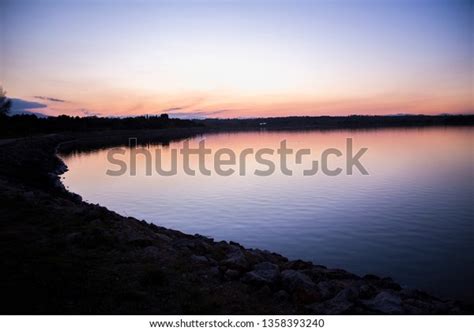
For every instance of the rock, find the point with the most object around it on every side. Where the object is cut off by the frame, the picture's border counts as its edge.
(327, 289)
(151, 253)
(293, 279)
(281, 295)
(333, 307)
(199, 236)
(214, 271)
(266, 266)
(255, 256)
(199, 259)
(306, 295)
(348, 294)
(264, 273)
(141, 243)
(258, 255)
(236, 259)
(342, 303)
(203, 247)
(414, 306)
(317, 274)
(163, 237)
(29, 195)
(299, 265)
(385, 302)
(367, 291)
(300, 286)
(73, 237)
(338, 274)
(371, 277)
(210, 272)
(232, 274)
(264, 291)
(385, 283)
(406, 293)
(388, 283)
(211, 261)
(319, 267)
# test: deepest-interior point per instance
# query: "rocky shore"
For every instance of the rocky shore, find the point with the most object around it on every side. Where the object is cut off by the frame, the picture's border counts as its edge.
(60, 255)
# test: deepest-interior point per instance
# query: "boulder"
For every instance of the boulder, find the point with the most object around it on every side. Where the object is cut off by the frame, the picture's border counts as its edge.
(299, 265)
(199, 259)
(385, 302)
(163, 237)
(367, 291)
(232, 274)
(328, 289)
(281, 295)
(293, 279)
(342, 303)
(264, 273)
(211, 272)
(236, 259)
(338, 274)
(300, 286)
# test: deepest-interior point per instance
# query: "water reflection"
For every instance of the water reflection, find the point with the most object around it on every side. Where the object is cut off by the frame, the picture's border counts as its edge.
(411, 218)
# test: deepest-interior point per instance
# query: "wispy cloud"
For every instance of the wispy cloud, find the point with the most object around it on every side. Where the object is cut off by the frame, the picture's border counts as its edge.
(87, 112)
(173, 109)
(49, 99)
(199, 114)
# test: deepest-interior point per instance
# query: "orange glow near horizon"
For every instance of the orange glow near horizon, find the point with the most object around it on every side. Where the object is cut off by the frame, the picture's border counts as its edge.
(263, 106)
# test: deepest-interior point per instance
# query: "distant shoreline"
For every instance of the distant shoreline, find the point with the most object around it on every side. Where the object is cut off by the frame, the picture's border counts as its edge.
(28, 125)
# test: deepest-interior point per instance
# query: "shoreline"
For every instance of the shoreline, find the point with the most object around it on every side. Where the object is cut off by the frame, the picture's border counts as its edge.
(84, 258)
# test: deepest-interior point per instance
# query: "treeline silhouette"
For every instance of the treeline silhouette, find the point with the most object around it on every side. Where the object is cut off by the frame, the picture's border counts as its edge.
(348, 122)
(26, 125)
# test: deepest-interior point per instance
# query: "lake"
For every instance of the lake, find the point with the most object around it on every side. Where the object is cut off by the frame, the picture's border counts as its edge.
(411, 218)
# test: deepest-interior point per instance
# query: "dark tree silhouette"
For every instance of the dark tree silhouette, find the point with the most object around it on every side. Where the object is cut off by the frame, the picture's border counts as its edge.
(5, 103)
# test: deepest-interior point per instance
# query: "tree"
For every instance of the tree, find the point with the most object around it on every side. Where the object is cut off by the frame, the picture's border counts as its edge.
(5, 103)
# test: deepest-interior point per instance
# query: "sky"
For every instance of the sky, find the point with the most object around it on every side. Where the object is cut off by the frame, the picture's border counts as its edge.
(242, 58)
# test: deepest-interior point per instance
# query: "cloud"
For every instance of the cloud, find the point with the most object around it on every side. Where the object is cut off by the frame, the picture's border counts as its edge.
(20, 107)
(170, 110)
(49, 99)
(197, 114)
(88, 112)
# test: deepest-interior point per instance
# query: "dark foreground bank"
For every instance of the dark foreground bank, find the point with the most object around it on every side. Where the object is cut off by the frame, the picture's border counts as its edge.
(60, 255)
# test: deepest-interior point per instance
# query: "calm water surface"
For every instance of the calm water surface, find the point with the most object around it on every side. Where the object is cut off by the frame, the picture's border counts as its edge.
(411, 218)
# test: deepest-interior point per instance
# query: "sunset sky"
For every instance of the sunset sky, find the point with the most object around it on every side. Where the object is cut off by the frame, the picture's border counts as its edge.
(238, 58)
